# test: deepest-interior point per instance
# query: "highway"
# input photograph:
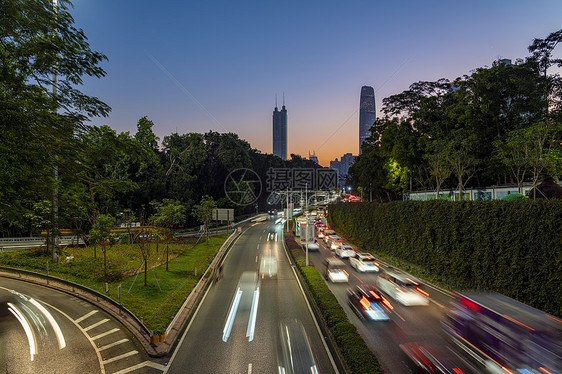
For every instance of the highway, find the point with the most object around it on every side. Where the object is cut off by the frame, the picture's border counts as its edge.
(46, 331)
(420, 324)
(235, 331)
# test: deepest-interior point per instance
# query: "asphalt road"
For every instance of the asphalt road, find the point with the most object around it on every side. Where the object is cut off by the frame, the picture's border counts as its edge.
(90, 341)
(420, 324)
(221, 337)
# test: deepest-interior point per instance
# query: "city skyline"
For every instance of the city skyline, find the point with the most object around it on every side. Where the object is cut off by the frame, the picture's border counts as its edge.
(216, 66)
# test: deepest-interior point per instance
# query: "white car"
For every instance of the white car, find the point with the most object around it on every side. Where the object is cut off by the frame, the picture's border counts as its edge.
(401, 288)
(364, 262)
(345, 251)
(334, 242)
(335, 272)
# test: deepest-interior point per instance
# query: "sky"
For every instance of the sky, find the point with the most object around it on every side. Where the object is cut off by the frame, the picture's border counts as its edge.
(218, 65)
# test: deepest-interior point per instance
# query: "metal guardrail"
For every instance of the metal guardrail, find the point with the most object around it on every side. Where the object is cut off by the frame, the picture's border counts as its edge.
(74, 286)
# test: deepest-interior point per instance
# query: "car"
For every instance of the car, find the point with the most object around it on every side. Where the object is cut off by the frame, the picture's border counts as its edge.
(320, 232)
(334, 270)
(435, 360)
(368, 303)
(327, 234)
(402, 288)
(294, 350)
(364, 262)
(313, 246)
(334, 242)
(345, 251)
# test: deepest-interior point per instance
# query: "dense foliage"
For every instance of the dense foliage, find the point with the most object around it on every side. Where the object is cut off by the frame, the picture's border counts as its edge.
(357, 355)
(498, 125)
(512, 247)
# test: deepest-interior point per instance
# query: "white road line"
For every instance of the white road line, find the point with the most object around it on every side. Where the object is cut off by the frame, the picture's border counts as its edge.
(258, 246)
(86, 316)
(113, 344)
(250, 368)
(96, 324)
(116, 358)
(104, 334)
(256, 258)
(151, 364)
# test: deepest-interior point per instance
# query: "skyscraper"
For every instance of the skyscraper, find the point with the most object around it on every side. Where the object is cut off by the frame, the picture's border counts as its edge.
(367, 115)
(280, 131)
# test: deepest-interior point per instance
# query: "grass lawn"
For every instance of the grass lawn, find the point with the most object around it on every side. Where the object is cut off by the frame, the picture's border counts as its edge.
(158, 301)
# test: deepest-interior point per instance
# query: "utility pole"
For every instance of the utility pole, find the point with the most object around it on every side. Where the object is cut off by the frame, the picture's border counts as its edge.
(55, 234)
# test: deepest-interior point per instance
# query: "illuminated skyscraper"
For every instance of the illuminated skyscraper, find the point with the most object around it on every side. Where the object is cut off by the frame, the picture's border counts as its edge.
(367, 115)
(280, 131)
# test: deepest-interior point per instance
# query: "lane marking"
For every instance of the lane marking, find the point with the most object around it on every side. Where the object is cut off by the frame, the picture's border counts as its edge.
(105, 334)
(113, 344)
(151, 364)
(250, 368)
(116, 358)
(86, 316)
(96, 324)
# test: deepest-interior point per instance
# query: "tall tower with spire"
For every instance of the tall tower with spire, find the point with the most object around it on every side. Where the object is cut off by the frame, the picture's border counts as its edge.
(367, 115)
(280, 130)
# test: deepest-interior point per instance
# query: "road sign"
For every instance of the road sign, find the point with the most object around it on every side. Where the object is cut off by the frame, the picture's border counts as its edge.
(223, 214)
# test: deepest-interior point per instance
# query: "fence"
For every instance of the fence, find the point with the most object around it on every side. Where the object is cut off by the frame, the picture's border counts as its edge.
(486, 193)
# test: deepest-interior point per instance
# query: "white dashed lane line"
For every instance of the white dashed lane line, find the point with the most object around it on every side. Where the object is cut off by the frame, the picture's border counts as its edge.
(86, 316)
(116, 358)
(104, 334)
(113, 344)
(96, 324)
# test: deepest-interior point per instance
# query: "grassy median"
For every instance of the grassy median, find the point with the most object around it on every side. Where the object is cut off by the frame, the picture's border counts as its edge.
(165, 291)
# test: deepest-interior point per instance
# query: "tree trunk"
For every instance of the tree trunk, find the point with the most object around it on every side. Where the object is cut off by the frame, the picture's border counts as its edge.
(167, 256)
(145, 271)
(104, 250)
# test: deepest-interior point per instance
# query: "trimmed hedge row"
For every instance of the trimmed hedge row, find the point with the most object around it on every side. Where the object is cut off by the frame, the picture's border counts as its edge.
(357, 355)
(512, 247)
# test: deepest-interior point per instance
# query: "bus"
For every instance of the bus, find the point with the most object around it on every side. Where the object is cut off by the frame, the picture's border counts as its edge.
(504, 335)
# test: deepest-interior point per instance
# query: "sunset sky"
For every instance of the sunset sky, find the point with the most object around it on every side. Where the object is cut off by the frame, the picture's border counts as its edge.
(217, 65)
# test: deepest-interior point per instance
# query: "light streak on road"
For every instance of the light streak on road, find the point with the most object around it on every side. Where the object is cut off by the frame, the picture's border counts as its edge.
(253, 314)
(26, 327)
(54, 324)
(231, 315)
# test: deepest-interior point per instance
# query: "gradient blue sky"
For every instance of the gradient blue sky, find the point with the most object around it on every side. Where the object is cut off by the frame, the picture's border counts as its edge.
(217, 65)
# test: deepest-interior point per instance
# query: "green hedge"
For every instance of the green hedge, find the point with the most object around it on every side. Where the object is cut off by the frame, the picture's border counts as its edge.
(357, 355)
(512, 247)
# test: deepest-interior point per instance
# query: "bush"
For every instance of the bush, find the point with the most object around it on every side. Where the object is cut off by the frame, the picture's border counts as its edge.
(511, 247)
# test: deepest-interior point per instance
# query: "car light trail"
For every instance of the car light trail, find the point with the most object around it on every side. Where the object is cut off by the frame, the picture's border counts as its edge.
(253, 314)
(231, 315)
(54, 324)
(23, 321)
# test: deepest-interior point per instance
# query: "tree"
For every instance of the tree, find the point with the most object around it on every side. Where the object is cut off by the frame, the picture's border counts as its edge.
(169, 213)
(100, 233)
(204, 212)
(43, 58)
(438, 162)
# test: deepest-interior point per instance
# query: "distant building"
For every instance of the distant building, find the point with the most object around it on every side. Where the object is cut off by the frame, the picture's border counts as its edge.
(280, 131)
(342, 167)
(367, 115)
(312, 157)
